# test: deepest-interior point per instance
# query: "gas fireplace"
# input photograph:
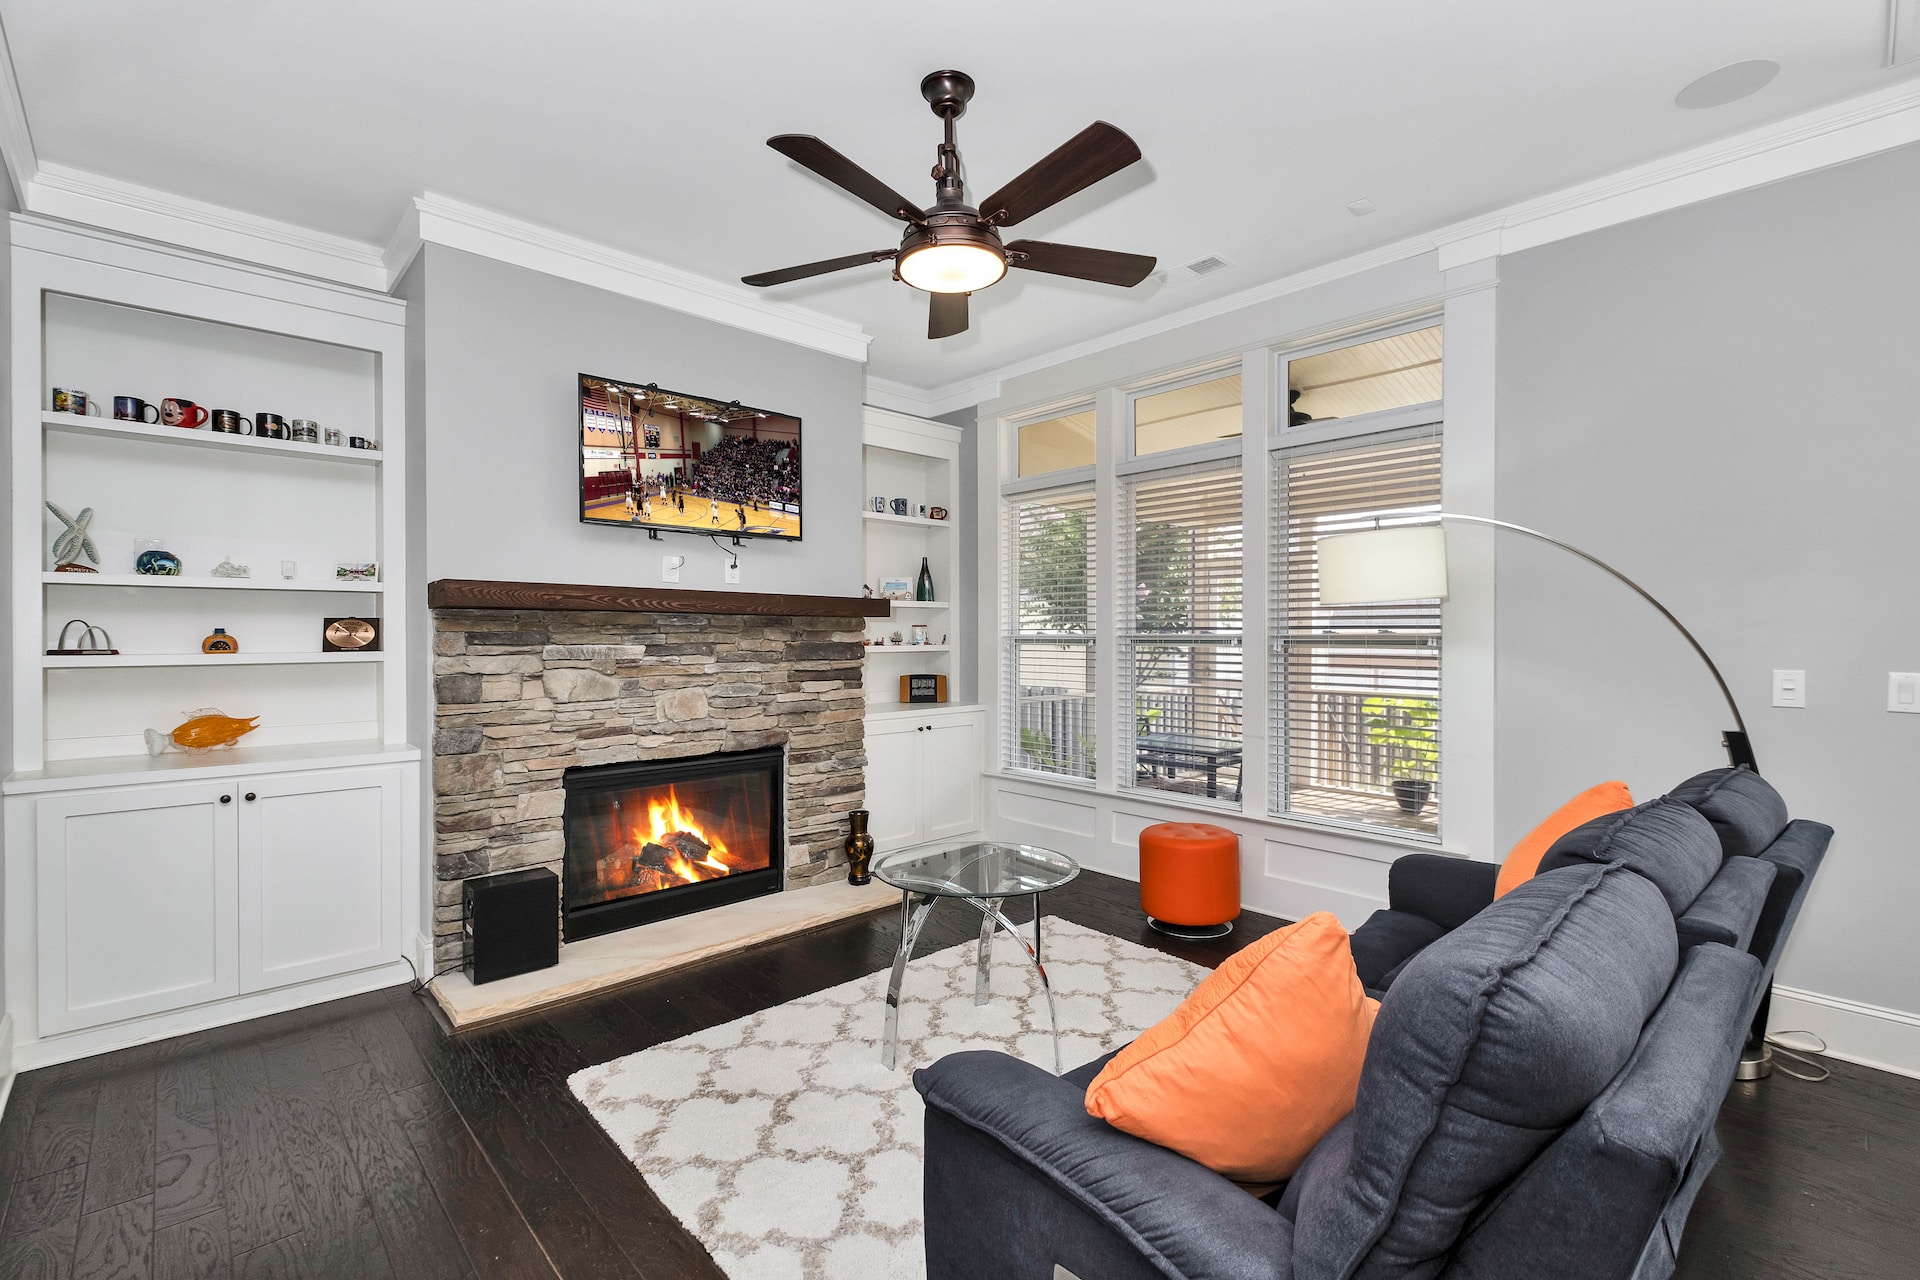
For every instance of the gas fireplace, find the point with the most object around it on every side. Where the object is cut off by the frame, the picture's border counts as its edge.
(660, 838)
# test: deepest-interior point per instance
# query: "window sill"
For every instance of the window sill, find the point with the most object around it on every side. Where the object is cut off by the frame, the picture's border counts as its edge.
(1379, 846)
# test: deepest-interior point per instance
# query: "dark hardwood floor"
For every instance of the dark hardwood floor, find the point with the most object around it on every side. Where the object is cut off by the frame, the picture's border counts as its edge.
(358, 1139)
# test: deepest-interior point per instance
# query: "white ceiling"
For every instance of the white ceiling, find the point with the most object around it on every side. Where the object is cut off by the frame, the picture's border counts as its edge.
(640, 125)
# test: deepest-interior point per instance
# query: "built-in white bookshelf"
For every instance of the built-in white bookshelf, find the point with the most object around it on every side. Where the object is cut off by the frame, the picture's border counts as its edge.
(918, 461)
(113, 317)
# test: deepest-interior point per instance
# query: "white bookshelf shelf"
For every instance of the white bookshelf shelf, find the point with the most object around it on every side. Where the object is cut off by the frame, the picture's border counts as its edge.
(208, 584)
(203, 438)
(921, 604)
(908, 648)
(923, 522)
(243, 659)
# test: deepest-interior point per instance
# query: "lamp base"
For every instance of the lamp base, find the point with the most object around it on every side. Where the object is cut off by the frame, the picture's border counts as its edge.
(1756, 1063)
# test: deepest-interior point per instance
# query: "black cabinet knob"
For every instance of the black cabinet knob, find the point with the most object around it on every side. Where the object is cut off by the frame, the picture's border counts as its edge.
(251, 796)
(226, 799)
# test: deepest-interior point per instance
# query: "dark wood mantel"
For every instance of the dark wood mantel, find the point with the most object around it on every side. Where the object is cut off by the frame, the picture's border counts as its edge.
(476, 593)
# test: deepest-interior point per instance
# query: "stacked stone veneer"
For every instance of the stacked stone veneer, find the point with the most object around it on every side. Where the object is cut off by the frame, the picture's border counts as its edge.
(520, 697)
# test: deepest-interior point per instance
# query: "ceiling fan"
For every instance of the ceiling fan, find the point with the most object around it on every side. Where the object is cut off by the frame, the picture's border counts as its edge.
(953, 249)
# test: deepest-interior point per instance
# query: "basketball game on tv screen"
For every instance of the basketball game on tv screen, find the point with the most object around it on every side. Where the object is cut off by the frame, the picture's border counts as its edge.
(657, 459)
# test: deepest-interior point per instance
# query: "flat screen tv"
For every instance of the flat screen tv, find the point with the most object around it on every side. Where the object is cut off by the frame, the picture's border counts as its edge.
(657, 459)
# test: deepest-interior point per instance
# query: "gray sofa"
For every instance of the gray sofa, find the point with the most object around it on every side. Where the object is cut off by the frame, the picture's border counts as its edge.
(1537, 1100)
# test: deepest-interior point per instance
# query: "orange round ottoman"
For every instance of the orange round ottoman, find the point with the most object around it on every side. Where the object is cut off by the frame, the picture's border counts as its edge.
(1190, 878)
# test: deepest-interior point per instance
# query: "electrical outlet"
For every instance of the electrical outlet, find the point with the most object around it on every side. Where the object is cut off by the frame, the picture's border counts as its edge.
(1789, 688)
(733, 570)
(670, 568)
(1903, 691)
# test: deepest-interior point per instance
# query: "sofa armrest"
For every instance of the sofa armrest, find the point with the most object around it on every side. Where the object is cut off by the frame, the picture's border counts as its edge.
(1066, 1187)
(1447, 891)
(1728, 909)
(1796, 856)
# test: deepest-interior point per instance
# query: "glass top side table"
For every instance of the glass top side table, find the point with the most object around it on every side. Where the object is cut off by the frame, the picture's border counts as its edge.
(984, 875)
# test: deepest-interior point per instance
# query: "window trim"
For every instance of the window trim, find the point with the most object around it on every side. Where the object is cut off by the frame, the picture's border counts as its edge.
(1193, 452)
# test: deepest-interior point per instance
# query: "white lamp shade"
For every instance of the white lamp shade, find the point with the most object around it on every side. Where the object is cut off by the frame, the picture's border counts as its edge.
(1377, 565)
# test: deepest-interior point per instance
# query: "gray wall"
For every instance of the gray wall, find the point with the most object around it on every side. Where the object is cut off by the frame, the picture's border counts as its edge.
(503, 346)
(1724, 401)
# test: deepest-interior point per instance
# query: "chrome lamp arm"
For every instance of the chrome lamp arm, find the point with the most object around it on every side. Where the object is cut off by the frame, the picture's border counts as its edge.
(1739, 746)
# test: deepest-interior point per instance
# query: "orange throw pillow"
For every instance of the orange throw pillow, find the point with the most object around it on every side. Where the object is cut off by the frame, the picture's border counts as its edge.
(1262, 1059)
(1524, 859)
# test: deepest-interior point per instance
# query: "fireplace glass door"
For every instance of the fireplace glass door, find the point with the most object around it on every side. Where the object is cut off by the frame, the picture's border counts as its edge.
(654, 839)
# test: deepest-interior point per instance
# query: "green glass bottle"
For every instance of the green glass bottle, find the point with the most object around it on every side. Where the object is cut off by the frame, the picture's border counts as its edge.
(923, 587)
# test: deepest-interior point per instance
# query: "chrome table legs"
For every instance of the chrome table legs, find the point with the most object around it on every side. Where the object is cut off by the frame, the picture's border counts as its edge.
(913, 915)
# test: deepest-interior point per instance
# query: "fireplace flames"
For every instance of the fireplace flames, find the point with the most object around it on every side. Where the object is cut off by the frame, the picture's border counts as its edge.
(671, 846)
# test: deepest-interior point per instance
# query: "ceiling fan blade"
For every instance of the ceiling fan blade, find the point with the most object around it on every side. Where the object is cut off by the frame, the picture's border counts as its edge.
(1082, 160)
(947, 314)
(816, 155)
(785, 274)
(1102, 265)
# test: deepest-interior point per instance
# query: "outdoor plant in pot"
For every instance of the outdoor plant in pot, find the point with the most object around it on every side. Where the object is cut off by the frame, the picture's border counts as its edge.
(1404, 730)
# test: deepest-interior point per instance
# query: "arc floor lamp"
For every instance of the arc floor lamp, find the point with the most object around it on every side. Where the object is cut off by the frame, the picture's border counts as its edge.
(1408, 561)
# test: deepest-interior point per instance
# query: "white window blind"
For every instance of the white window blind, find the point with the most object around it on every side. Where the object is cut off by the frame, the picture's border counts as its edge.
(1356, 687)
(1049, 683)
(1181, 630)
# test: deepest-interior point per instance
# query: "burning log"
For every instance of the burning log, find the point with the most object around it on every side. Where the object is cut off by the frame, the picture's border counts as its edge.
(686, 844)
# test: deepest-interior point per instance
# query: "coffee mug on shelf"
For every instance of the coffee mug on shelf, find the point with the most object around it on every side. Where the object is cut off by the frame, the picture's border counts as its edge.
(333, 437)
(232, 422)
(270, 426)
(901, 506)
(357, 442)
(880, 505)
(304, 430)
(176, 412)
(134, 409)
(936, 513)
(68, 400)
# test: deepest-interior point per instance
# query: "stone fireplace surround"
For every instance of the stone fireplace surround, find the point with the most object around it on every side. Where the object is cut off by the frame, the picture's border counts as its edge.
(531, 679)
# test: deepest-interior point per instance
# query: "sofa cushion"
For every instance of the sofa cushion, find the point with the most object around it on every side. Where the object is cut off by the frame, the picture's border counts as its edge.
(1585, 1208)
(1257, 1064)
(1523, 860)
(1746, 812)
(1664, 840)
(1490, 1042)
(1388, 940)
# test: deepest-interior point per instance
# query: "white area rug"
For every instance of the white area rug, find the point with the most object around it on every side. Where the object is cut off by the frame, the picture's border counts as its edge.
(783, 1145)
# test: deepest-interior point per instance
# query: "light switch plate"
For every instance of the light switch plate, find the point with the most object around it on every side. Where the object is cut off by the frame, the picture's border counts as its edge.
(1903, 691)
(1789, 688)
(733, 571)
(670, 568)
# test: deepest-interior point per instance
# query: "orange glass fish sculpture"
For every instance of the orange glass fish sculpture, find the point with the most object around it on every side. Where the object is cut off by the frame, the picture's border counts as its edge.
(202, 731)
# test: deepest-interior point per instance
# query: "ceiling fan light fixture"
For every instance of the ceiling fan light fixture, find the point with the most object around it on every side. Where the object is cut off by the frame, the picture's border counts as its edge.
(952, 268)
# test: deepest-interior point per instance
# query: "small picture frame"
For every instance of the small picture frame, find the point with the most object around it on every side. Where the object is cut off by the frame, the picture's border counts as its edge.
(896, 589)
(356, 571)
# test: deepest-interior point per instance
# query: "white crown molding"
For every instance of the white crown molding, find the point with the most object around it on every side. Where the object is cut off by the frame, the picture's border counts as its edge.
(61, 192)
(884, 393)
(1831, 135)
(467, 227)
(1817, 139)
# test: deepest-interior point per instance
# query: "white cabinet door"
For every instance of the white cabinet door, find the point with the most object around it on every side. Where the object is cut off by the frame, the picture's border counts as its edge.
(137, 902)
(893, 786)
(950, 779)
(319, 874)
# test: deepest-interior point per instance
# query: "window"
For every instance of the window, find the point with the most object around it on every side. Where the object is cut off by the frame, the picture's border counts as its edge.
(1199, 413)
(1386, 373)
(1050, 719)
(1057, 444)
(1180, 656)
(1357, 687)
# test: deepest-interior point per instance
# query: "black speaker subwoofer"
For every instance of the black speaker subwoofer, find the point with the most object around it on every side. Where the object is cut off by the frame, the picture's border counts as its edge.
(510, 924)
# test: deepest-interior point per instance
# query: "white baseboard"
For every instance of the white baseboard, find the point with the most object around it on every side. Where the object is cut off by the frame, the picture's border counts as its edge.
(7, 1073)
(1887, 1039)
